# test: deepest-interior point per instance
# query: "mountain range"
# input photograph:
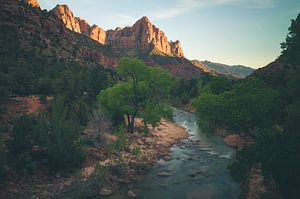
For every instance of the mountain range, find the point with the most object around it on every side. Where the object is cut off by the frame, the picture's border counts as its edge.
(58, 34)
(236, 71)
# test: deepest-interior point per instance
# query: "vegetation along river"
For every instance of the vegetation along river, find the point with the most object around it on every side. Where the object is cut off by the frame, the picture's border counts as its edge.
(198, 169)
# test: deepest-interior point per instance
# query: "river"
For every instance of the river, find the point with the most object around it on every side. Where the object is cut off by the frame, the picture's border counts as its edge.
(198, 169)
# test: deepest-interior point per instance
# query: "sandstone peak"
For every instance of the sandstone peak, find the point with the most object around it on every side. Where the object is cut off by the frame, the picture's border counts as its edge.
(145, 18)
(33, 3)
(142, 35)
(84, 25)
(64, 13)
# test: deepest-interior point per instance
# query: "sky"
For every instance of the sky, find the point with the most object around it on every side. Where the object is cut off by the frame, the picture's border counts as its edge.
(244, 32)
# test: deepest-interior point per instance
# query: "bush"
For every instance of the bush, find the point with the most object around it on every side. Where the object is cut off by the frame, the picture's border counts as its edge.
(63, 147)
(49, 138)
(25, 136)
(61, 139)
(2, 157)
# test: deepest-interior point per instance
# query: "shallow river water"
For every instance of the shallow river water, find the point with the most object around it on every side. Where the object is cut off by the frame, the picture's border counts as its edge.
(198, 169)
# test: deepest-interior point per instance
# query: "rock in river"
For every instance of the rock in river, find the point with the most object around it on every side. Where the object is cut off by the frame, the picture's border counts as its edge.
(105, 191)
(131, 194)
(163, 174)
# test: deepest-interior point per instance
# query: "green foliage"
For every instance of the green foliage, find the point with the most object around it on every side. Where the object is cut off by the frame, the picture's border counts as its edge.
(3, 90)
(25, 136)
(43, 99)
(293, 87)
(276, 149)
(243, 163)
(152, 114)
(210, 111)
(61, 139)
(285, 165)
(184, 90)
(218, 85)
(136, 151)
(293, 116)
(291, 46)
(121, 141)
(142, 88)
(248, 106)
(47, 138)
(2, 154)
(100, 173)
(89, 188)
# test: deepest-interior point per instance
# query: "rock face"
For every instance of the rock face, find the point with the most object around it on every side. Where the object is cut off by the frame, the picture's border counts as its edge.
(64, 13)
(48, 37)
(97, 34)
(33, 3)
(59, 36)
(84, 26)
(143, 34)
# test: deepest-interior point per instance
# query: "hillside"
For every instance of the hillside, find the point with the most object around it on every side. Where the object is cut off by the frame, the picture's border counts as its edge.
(237, 71)
(29, 31)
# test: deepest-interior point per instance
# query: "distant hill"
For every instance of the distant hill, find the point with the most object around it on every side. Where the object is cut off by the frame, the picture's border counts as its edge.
(237, 71)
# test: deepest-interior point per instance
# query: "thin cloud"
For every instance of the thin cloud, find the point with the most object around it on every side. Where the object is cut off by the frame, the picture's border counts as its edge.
(186, 6)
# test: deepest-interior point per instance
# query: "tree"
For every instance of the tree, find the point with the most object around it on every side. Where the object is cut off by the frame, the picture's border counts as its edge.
(61, 139)
(244, 109)
(139, 87)
(25, 136)
(2, 153)
(291, 46)
(99, 122)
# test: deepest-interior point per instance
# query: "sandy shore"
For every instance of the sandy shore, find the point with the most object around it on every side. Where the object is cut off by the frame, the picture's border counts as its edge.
(141, 148)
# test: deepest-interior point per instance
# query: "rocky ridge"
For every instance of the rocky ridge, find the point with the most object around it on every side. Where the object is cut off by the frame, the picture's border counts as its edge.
(33, 3)
(143, 34)
(236, 71)
(33, 33)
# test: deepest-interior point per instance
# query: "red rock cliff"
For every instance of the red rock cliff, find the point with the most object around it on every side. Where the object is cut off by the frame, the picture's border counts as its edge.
(64, 13)
(33, 3)
(143, 34)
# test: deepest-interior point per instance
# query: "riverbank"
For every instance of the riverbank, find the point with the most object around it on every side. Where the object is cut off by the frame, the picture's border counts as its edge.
(141, 153)
(197, 168)
(253, 187)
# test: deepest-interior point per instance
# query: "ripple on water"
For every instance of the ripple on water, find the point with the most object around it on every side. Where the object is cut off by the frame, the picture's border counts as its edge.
(203, 177)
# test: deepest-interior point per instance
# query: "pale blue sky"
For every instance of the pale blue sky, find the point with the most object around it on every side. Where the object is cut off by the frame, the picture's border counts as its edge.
(247, 32)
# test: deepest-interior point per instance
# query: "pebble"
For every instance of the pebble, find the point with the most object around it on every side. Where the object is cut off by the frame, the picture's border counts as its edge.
(105, 192)
(131, 194)
(167, 158)
(163, 174)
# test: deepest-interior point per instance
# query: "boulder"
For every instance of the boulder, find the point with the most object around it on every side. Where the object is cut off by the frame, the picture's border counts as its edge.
(131, 194)
(105, 192)
(163, 174)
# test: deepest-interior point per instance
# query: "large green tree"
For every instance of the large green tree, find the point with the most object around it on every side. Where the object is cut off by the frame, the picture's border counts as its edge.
(143, 91)
(244, 109)
(291, 46)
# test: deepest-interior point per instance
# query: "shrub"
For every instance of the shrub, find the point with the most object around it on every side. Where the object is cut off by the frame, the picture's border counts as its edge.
(61, 139)
(25, 136)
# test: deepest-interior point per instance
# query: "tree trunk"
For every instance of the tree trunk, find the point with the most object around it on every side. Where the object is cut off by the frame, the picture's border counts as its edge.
(131, 126)
(128, 123)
